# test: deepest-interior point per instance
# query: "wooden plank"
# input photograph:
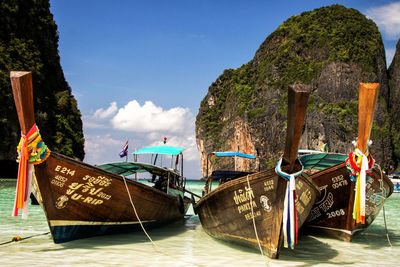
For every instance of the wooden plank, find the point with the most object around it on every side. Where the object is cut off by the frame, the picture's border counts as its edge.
(297, 105)
(368, 95)
(21, 82)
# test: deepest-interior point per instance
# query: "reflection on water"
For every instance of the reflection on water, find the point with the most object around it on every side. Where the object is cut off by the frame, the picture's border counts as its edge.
(185, 243)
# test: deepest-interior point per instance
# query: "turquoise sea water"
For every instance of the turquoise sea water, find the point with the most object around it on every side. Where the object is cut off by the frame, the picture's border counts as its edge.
(185, 243)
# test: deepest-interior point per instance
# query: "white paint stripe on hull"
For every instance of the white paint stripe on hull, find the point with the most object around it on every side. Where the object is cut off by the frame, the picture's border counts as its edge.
(336, 229)
(71, 223)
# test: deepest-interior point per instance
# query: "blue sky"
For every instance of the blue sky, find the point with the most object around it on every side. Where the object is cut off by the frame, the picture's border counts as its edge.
(139, 69)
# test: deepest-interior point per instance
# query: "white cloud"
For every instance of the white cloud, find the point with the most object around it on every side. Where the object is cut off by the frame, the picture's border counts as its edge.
(87, 124)
(96, 120)
(103, 114)
(144, 125)
(387, 18)
(150, 118)
(98, 146)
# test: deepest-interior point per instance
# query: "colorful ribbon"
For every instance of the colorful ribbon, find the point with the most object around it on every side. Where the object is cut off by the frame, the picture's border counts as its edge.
(31, 151)
(359, 166)
(290, 227)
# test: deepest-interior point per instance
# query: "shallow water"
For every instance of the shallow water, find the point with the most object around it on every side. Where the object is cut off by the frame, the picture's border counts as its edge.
(185, 243)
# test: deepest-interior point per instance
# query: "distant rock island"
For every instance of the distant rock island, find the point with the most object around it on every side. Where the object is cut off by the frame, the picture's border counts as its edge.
(332, 48)
(29, 41)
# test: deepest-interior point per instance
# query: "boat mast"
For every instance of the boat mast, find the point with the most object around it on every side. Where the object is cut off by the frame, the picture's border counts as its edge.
(297, 105)
(368, 95)
(21, 83)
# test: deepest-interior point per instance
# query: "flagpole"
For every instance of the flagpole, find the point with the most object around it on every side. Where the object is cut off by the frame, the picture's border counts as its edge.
(127, 151)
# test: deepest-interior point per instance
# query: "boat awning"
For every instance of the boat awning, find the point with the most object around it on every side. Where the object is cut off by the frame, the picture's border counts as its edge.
(321, 161)
(169, 150)
(128, 168)
(233, 154)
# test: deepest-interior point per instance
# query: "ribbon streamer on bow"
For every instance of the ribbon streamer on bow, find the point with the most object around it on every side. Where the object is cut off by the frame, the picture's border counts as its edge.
(31, 151)
(290, 228)
(359, 166)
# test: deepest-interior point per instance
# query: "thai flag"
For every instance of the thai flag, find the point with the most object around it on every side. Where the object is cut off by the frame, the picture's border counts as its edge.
(124, 151)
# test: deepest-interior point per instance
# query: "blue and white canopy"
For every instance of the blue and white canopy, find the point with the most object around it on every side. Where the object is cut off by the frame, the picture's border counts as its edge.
(234, 154)
(168, 150)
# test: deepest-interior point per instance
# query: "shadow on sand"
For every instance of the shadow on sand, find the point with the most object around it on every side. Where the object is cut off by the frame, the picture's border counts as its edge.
(156, 234)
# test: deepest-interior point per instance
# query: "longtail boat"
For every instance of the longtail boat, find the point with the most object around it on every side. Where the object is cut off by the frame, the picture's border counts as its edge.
(349, 200)
(80, 200)
(261, 210)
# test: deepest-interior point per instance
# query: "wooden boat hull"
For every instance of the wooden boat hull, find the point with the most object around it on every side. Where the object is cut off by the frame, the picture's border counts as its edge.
(81, 200)
(226, 213)
(332, 213)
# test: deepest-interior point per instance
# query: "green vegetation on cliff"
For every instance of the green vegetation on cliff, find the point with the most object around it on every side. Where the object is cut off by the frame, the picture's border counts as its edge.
(332, 48)
(29, 41)
(300, 48)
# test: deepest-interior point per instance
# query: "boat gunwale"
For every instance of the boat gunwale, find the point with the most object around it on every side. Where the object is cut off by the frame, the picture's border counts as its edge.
(254, 176)
(343, 165)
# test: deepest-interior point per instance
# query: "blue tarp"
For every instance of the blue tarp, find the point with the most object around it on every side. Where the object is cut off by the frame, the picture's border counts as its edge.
(169, 150)
(232, 154)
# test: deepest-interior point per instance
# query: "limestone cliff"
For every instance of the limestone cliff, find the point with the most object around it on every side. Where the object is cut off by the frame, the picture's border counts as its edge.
(333, 49)
(29, 41)
(394, 83)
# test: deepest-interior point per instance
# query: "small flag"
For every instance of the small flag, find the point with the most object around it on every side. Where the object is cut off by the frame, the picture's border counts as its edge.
(324, 148)
(124, 151)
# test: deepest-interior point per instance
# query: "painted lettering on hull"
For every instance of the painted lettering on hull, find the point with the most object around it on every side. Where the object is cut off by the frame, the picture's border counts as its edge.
(89, 190)
(269, 185)
(245, 201)
(328, 203)
(339, 181)
(314, 214)
(323, 207)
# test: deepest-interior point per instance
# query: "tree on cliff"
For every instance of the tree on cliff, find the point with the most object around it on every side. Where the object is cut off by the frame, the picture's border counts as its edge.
(332, 48)
(29, 41)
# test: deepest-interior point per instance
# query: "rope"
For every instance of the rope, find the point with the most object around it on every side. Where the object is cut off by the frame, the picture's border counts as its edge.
(383, 207)
(140, 222)
(360, 167)
(31, 151)
(144, 230)
(289, 220)
(17, 238)
(252, 215)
